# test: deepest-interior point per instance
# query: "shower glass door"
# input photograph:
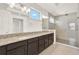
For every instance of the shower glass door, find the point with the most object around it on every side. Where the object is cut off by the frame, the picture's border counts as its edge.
(73, 32)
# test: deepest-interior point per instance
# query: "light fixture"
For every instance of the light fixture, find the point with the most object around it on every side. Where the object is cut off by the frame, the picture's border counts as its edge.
(23, 8)
(11, 5)
(44, 16)
(28, 11)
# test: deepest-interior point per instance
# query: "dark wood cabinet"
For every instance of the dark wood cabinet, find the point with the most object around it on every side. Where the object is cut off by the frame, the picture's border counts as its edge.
(17, 51)
(51, 38)
(17, 48)
(41, 44)
(50, 41)
(3, 50)
(33, 46)
(26, 48)
(46, 41)
(15, 45)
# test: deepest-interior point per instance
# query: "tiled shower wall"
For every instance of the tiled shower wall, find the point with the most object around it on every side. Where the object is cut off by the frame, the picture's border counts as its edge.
(62, 26)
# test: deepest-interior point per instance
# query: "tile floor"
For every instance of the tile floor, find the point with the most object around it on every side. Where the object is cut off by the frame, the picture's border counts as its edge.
(60, 49)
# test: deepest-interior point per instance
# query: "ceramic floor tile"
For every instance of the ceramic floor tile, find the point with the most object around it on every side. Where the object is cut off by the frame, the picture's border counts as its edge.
(60, 49)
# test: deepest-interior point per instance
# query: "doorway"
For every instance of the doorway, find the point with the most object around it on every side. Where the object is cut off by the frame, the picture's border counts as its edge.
(17, 25)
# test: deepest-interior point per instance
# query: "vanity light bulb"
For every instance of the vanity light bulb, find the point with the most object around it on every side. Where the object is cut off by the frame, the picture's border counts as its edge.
(23, 9)
(43, 16)
(12, 5)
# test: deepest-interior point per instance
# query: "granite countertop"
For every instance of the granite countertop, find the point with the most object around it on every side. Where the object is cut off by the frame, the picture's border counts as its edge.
(20, 38)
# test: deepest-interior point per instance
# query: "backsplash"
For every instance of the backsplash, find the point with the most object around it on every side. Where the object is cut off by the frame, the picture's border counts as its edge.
(13, 35)
(18, 34)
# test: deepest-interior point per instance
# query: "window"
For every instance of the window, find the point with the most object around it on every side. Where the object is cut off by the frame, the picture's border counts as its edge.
(34, 14)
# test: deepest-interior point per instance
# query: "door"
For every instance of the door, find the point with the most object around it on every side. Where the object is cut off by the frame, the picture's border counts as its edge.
(41, 44)
(72, 32)
(33, 46)
(67, 29)
(3, 50)
(17, 25)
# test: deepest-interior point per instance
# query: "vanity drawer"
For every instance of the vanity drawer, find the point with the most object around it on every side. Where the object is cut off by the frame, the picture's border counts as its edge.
(32, 40)
(17, 51)
(15, 45)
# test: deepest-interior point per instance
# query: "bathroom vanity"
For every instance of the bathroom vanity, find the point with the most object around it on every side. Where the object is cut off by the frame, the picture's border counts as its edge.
(31, 44)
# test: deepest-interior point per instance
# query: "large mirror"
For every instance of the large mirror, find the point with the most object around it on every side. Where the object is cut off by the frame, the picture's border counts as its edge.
(14, 18)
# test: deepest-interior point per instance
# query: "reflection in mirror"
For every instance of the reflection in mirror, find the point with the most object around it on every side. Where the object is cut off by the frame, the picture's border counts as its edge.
(14, 18)
(17, 25)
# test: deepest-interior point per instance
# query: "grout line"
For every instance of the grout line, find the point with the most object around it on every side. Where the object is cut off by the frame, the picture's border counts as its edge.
(68, 45)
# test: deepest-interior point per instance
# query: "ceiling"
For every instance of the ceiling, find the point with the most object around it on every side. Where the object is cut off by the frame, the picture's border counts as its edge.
(53, 8)
(60, 8)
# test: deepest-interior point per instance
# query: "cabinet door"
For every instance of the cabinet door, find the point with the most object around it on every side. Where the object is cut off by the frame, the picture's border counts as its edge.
(50, 41)
(3, 50)
(51, 38)
(46, 41)
(41, 44)
(33, 46)
(17, 51)
(26, 48)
